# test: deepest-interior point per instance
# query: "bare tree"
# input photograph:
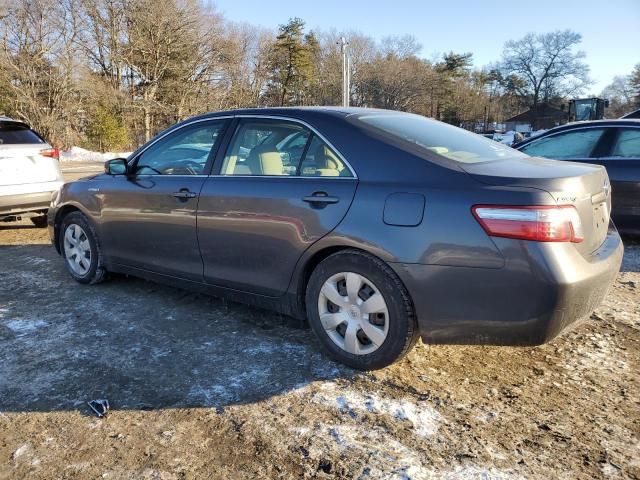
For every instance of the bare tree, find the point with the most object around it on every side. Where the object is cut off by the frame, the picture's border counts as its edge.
(547, 64)
(36, 52)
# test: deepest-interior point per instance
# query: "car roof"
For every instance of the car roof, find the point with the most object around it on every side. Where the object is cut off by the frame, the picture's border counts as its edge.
(296, 112)
(620, 122)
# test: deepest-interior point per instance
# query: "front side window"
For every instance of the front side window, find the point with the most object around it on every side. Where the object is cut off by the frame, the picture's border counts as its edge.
(628, 144)
(265, 147)
(183, 152)
(573, 144)
(438, 138)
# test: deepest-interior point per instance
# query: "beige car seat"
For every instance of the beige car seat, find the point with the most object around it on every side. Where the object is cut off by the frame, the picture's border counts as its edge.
(327, 165)
(265, 160)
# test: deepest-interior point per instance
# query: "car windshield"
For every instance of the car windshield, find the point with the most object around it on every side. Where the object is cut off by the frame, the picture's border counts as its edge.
(439, 138)
(12, 134)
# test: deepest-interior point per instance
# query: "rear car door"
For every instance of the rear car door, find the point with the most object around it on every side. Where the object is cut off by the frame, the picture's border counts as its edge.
(279, 188)
(148, 218)
(622, 161)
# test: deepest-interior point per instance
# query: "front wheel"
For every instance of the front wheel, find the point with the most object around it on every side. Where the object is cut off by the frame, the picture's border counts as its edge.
(360, 310)
(81, 250)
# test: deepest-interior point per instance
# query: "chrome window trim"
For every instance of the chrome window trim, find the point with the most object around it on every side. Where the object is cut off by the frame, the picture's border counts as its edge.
(313, 130)
(302, 177)
(257, 117)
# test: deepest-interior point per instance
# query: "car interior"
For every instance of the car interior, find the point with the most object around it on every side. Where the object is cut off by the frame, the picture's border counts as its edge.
(277, 150)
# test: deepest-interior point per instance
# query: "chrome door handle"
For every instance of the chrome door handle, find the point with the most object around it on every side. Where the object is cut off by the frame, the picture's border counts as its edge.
(185, 194)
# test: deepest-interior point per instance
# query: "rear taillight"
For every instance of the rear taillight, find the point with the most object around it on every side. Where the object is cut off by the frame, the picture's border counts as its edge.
(51, 153)
(537, 223)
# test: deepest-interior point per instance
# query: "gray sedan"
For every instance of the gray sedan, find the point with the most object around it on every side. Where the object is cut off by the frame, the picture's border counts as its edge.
(377, 227)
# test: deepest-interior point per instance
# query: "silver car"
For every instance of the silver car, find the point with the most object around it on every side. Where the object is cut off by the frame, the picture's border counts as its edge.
(29, 173)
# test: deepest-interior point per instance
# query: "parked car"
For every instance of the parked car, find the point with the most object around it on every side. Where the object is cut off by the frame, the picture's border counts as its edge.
(376, 226)
(634, 114)
(29, 173)
(615, 144)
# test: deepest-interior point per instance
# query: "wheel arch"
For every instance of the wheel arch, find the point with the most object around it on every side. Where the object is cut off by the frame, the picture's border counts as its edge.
(311, 261)
(62, 212)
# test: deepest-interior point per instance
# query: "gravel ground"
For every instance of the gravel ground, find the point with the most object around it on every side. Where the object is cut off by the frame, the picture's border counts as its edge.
(202, 388)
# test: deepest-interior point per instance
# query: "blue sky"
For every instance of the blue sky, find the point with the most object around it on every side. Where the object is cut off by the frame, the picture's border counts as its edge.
(610, 29)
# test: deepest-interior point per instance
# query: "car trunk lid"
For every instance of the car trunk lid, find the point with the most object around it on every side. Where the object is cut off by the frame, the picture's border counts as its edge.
(24, 164)
(584, 186)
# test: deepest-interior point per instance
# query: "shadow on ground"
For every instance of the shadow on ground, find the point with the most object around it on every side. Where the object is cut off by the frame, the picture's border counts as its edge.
(140, 345)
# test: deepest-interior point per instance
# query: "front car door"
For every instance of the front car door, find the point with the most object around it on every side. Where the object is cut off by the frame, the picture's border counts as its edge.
(279, 188)
(149, 216)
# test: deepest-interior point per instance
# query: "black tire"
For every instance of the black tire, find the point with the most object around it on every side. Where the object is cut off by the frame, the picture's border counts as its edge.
(40, 221)
(96, 272)
(402, 327)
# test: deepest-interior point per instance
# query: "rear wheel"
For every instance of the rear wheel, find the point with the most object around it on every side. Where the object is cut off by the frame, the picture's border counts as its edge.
(360, 310)
(81, 250)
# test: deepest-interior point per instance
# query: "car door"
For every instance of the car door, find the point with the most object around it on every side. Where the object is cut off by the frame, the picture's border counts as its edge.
(622, 161)
(148, 218)
(269, 201)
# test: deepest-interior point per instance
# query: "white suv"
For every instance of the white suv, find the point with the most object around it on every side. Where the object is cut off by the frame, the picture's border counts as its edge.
(29, 173)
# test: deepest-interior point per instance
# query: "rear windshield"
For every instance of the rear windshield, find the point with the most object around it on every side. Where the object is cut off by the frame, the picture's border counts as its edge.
(440, 138)
(17, 135)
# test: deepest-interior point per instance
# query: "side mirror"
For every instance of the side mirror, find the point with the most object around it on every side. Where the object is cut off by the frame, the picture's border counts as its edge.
(117, 166)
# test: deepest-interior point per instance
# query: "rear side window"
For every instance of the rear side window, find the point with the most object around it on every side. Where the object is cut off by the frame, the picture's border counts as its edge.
(628, 144)
(439, 138)
(574, 144)
(265, 147)
(321, 161)
(18, 135)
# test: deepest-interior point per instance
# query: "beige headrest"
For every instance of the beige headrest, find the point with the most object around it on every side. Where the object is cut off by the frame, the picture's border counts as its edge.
(265, 160)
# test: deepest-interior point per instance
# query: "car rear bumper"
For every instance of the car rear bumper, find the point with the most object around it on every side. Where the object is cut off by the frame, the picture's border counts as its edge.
(542, 290)
(16, 203)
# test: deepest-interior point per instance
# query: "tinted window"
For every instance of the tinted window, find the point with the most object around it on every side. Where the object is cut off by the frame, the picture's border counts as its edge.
(183, 152)
(573, 144)
(439, 138)
(265, 147)
(18, 135)
(628, 144)
(321, 161)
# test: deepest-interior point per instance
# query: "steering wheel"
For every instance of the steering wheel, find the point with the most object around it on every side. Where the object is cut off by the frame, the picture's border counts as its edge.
(192, 167)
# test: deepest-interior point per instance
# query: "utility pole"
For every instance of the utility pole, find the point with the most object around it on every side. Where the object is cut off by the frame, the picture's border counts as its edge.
(346, 71)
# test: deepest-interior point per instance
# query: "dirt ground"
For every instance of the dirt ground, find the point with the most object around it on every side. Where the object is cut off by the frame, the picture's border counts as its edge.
(201, 388)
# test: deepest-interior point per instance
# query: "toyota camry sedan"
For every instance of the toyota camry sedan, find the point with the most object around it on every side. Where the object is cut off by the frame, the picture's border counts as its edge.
(376, 227)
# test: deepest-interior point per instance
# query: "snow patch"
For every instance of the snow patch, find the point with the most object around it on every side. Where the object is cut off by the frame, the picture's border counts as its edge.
(263, 348)
(424, 419)
(24, 327)
(597, 352)
(35, 260)
(387, 457)
(77, 154)
(210, 395)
